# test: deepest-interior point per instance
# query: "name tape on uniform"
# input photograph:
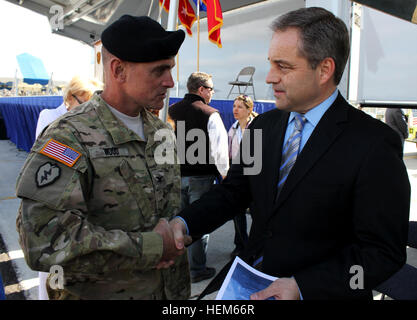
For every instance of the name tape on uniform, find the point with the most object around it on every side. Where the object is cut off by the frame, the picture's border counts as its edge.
(60, 152)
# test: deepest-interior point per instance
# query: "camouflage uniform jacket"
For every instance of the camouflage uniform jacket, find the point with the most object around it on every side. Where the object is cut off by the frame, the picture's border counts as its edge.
(95, 218)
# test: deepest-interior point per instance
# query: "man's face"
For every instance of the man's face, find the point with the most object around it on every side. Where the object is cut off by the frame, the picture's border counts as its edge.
(207, 91)
(147, 83)
(295, 83)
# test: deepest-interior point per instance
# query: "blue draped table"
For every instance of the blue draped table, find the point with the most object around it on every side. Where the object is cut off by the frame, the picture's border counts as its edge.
(21, 115)
(2, 294)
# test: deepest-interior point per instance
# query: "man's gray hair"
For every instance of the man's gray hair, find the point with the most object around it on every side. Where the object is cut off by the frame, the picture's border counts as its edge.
(322, 34)
(197, 80)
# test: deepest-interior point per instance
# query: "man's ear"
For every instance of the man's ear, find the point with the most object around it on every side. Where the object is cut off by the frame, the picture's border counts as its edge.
(200, 91)
(118, 69)
(327, 68)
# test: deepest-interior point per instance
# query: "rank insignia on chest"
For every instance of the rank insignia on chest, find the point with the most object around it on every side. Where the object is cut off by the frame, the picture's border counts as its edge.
(60, 152)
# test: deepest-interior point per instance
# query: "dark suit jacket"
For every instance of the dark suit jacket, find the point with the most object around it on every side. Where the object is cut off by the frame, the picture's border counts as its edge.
(345, 203)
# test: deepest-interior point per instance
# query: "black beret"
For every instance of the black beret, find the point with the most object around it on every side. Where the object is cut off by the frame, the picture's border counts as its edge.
(141, 39)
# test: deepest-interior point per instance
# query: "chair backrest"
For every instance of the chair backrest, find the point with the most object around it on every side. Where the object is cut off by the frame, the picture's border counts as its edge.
(247, 71)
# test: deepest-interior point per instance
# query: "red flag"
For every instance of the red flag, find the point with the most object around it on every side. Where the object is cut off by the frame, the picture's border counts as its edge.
(166, 4)
(186, 15)
(214, 20)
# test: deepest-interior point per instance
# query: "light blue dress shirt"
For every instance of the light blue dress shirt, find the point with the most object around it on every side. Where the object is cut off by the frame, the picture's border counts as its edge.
(313, 117)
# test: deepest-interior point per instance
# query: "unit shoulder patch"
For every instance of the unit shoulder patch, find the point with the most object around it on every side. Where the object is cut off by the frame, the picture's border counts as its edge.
(47, 174)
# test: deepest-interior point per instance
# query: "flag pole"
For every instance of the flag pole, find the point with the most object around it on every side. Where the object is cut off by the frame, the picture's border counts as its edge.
(198, 35)
(178, 70)
(150, 9)
(172, 21)
(160, 12)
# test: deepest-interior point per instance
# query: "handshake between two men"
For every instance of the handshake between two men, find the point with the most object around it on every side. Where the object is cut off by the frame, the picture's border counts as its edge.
(174, 237)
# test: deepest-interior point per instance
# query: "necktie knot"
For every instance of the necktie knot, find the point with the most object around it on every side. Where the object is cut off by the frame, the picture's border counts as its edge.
(300, 121)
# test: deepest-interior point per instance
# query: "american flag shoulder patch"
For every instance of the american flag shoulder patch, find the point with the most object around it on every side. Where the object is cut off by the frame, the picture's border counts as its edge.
(60, 152)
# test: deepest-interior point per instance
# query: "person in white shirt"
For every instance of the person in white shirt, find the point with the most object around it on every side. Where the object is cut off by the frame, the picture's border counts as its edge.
(244, 114)
(78, 91)
(202, 145)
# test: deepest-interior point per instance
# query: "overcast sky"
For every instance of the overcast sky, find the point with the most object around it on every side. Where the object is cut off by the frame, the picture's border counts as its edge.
(24, 31)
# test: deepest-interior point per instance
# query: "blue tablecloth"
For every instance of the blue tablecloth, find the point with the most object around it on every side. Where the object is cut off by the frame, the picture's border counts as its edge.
(21, 115)
(2, 295)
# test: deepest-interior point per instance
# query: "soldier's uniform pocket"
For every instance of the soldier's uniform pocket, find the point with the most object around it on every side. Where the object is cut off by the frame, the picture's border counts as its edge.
(141, 187)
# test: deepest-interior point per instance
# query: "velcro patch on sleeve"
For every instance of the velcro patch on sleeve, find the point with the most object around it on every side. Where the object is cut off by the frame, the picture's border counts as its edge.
(60, 152)
(47, 174)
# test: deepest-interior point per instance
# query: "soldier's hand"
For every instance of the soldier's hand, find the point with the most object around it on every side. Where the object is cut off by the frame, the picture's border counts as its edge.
(180, 233)
(170, 252)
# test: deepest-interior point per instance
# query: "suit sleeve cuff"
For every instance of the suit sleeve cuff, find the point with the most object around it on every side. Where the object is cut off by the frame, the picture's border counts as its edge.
(185, 223)
(299, 291)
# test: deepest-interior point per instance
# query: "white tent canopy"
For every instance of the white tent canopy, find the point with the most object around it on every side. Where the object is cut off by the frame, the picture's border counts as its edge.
(84, 20)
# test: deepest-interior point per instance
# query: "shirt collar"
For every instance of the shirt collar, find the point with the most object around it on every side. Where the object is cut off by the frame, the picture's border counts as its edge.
(119, 132)
(236, 124)
(314, 115)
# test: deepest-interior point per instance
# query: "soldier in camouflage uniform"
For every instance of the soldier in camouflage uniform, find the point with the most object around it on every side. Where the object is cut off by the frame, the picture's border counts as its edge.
(93, 194)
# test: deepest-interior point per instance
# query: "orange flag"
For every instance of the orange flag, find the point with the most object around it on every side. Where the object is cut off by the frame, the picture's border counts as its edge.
(166, 4)
(214, 20)
(186, 15)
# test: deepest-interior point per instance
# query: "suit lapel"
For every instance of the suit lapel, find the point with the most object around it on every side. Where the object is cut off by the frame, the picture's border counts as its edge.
(325, 133)
(273, 148)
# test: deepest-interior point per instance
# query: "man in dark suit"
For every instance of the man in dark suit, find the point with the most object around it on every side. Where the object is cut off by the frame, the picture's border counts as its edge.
(331, 203)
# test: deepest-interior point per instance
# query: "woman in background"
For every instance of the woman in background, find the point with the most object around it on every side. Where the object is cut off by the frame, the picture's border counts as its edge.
(244, 114)
(78, 91)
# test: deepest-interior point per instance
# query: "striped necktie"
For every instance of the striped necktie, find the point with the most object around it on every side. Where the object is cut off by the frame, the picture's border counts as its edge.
(290, 151)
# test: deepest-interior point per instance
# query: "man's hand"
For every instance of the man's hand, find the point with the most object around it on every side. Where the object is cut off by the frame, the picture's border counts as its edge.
(170, 251)
(180, 233)
(280, 289)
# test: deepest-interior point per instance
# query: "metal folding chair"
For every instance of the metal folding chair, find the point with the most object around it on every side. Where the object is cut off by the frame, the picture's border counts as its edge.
(247, 81)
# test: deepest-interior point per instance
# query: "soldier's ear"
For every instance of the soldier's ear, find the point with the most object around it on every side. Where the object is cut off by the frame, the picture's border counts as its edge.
(118, 69)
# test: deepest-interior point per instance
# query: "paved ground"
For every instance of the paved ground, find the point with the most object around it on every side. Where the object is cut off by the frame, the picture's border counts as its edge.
(22, 283)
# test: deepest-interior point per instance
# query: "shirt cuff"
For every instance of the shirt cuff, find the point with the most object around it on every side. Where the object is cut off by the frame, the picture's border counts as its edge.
(301, 296)
(185, 223)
